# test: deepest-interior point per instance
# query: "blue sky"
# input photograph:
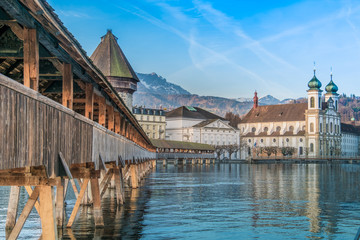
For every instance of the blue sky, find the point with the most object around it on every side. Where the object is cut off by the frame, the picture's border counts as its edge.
(228, 48)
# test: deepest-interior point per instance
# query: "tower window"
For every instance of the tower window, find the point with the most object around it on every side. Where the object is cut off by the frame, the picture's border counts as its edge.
(319, 102)
(312, 102)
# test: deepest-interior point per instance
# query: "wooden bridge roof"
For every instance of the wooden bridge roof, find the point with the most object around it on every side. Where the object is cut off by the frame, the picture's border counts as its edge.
(56, 46)
(181, 145)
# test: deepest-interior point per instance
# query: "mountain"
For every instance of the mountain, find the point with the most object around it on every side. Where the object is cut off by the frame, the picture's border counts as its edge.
(156, 84)
(268, 100)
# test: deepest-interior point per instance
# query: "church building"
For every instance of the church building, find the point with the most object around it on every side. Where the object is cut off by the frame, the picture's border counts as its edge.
(311, 129)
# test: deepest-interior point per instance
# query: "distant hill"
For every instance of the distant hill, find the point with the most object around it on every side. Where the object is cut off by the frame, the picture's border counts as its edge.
(154, 91)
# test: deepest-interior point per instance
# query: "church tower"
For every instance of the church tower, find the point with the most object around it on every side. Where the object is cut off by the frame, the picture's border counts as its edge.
(331, 92)
(111, 61)
(313, 117)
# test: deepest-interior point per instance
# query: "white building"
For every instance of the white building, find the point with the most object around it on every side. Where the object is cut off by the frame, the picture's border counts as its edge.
(349, 140)
(193, 124)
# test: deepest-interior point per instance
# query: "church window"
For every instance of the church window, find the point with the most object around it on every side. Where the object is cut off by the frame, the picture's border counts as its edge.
(331, 127)
(278, 129)
(301, 139)
(261, 140)
(320, 127)
(327, 127)
(312, 102)
(300, 150)
(291, 128)
(311, 147)
(253, 129)
(249, 140)
(274, 140)
(287, 140)
(319, 102)
(311, 127)
(266, 129)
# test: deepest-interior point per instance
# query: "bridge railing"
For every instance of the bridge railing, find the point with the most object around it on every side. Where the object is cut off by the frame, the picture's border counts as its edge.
(34, 129)
(173, 155)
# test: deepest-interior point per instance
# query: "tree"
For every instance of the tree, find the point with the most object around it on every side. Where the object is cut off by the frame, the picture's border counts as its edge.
(232, 148)
(234, 119)
(287, 151)
(218, 151)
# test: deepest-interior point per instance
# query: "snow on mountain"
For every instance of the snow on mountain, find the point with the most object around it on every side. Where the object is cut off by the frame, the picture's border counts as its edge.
(156, 84)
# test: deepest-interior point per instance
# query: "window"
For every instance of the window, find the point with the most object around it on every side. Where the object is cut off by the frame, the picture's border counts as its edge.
(274, 140)
(301, 139)
(311, 127)
(278, 129)
(331, 127)
(287, 140)
(312, 102)
(320, 127)
(153, 127)
(311, 147)
(319, 102)
(253, 129)
(300, 150)
(261, 140)
(327, 127)
(266, 129)
(291, 128)
(249, 140)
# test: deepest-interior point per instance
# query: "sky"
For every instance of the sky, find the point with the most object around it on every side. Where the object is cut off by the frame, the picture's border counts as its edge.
(228, 48)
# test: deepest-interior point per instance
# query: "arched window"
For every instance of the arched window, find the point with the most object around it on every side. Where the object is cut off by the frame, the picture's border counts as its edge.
(312, 102)
(331, 127)
(291, 128)
(311, 127)
(319, 102)
(253, 129)
(266, 129)
(278, 129)
(311, 147)
(336, 105)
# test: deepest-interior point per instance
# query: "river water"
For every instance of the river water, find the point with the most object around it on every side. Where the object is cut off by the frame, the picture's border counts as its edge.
(225, 201)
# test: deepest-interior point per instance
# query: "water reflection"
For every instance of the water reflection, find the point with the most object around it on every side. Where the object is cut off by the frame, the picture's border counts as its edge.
(237, 201)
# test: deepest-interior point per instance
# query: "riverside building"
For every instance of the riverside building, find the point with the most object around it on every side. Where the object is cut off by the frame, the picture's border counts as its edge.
(311, 129)
(194, 124)
(152, 121)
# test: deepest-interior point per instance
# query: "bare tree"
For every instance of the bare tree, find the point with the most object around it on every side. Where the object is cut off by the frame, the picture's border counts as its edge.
(232, 148)
(219, 150)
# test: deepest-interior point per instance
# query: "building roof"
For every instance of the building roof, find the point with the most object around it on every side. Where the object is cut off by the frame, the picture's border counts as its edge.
(181, 145)
(111, 60)
(276, 113)
(276, 134)
(349, 128)
(204, 123)
(192, 112)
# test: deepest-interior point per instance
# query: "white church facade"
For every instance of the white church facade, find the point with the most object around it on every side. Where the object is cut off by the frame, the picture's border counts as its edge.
(311, 129)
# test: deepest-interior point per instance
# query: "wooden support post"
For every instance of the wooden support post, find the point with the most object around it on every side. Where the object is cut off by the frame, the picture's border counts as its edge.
(68, 86)
(118, 186)
(123, 127)
(24, 214)
(110, 112)
(89, 101)
(102, 111)
(77, 203)
(12, 208)
(47, 213)
(30, 191)
(60, 202)
(134, 177)
(31, 59)
(98, 217)
(117, 122)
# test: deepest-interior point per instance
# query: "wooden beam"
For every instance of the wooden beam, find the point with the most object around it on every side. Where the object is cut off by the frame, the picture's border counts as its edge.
(24, 214)
(102, 111)
(47, 213)
(30, 191)
(31, 59)
(98, 217)
(117, 122)
(134, 176)
(12, 208)
(89, 101)
(119, 186)
(110, 114)
(68, 86)
(59, 204)
(77, 204)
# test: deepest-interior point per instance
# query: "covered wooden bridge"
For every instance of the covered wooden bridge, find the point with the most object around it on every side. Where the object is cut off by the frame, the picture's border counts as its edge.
(60, 121)
(183, 152)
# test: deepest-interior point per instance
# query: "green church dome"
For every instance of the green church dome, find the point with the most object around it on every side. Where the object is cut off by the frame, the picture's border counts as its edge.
(314, 83)
(331, 87)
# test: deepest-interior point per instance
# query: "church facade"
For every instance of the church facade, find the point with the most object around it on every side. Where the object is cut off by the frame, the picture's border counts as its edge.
(311, 129)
